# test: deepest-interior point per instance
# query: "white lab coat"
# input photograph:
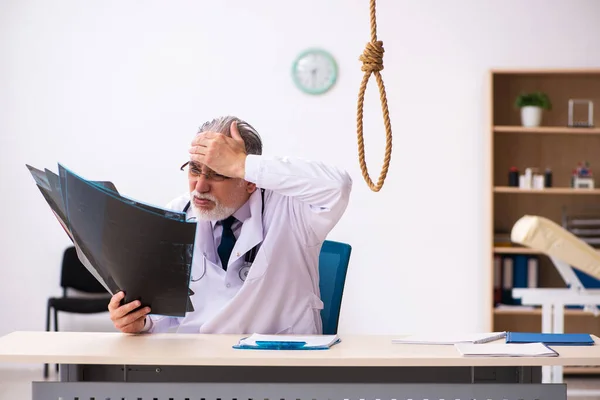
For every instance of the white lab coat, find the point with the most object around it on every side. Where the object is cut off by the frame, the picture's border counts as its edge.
(280, 294)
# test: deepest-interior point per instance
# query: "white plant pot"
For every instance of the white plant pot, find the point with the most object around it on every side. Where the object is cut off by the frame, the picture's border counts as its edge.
(531, 116)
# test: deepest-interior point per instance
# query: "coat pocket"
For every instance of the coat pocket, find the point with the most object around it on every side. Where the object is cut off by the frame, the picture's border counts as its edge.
(258, 267)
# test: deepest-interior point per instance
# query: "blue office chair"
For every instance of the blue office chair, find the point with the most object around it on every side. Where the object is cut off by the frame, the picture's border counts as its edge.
(333, 265)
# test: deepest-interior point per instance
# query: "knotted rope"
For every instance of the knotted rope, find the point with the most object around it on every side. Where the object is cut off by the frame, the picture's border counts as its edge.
(372, 59)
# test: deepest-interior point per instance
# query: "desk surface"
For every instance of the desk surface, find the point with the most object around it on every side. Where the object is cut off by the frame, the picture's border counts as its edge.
(216, 350)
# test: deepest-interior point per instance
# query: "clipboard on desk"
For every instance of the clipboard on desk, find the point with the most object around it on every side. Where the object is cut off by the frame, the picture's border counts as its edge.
(287, 342)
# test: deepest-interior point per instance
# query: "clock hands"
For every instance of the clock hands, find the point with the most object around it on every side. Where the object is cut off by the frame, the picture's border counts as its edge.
(314, 71)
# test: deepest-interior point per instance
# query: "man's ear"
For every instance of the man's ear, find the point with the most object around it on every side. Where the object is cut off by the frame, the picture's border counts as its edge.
(250, 187)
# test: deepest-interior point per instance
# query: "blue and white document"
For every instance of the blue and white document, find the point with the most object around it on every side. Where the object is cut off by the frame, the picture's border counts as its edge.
(287, 342)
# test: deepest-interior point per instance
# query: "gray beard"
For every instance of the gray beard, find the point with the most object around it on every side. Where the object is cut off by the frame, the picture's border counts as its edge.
(219, 212)
(216, 214)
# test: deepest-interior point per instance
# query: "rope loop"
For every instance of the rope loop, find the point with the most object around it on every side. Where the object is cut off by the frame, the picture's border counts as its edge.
(372, 64)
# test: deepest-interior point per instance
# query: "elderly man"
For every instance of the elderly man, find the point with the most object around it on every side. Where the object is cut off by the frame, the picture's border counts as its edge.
(261, 221)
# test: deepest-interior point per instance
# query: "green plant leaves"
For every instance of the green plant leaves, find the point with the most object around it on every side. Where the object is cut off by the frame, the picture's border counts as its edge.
(538, 99)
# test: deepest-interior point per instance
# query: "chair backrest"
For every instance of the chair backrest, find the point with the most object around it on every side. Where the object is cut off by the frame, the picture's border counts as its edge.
(75, 275)
(333, 265)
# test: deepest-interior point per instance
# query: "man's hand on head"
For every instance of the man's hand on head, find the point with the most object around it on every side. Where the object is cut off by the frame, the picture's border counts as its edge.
(223, 154)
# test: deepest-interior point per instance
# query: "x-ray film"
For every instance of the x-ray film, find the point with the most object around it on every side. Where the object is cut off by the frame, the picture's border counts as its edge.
(111, 189)
(39, 177)
(127, 245)
(54, 198)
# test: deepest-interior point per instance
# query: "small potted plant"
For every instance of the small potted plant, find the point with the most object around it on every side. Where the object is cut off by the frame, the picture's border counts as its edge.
(532, 105)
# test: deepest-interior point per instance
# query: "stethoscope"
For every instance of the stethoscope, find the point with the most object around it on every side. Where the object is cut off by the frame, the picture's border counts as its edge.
(248, 257)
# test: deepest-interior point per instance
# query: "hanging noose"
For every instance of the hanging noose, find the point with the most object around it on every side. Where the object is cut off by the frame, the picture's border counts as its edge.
(372, 59)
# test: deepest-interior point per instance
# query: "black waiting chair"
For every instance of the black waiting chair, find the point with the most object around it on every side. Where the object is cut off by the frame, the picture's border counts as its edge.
(74, 275)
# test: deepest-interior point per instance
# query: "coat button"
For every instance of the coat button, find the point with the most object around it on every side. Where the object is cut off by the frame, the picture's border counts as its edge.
(237, 254)
(228, 285)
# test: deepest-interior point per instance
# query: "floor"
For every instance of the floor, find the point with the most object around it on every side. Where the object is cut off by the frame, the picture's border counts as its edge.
(15, 384)
(583, 387)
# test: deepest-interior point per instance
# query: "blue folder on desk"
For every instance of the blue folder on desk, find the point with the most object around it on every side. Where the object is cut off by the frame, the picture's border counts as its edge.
(556, 339)
(287, 342)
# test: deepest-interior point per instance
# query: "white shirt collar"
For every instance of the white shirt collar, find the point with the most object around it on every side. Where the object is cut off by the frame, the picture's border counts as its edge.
(241, 214)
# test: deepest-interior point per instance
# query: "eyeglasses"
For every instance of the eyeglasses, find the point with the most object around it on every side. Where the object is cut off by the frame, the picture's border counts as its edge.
(195, 171)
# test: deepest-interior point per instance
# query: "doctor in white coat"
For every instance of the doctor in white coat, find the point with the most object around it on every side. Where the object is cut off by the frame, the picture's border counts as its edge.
(261, 221)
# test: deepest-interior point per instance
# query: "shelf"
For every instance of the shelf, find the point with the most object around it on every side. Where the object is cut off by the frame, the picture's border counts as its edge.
(528, 311)
(514, 250)
(552, 190)
(553, 145)
(545, 71)
(581, 370)
(547, 130)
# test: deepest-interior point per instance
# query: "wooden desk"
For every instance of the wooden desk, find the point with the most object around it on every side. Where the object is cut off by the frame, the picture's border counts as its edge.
(180, 366)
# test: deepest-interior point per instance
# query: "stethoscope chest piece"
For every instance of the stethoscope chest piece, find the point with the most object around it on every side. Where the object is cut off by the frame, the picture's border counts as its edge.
(244, 271)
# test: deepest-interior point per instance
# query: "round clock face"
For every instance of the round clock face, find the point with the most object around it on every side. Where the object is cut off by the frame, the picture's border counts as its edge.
(314, 71)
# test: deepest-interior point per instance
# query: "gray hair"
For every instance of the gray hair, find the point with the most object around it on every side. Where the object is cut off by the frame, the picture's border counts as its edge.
(247, 132)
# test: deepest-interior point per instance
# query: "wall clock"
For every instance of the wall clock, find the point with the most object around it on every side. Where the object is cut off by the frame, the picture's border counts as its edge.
(314, 71)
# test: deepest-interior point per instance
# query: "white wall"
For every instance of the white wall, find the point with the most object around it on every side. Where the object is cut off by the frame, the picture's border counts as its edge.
(116, 89)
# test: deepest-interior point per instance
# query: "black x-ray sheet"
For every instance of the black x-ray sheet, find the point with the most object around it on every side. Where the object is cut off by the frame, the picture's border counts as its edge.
(48, 184)
(144, 250)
